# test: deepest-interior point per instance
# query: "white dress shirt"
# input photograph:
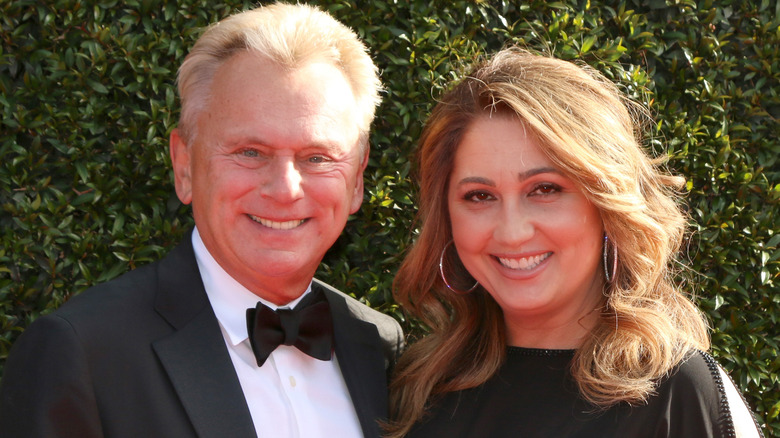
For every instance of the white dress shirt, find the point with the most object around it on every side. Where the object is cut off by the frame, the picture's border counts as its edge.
(292, 394)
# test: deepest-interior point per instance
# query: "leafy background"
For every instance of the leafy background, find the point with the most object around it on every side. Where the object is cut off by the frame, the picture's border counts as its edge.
(88, 100)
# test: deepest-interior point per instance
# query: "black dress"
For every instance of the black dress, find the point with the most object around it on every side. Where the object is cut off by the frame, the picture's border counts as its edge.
(533, 395)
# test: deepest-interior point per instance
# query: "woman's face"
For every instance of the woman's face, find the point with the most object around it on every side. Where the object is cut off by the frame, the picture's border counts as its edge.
(524, 230)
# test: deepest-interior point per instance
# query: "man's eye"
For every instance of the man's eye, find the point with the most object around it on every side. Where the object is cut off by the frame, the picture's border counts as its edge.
(250, 153)
(317, 159)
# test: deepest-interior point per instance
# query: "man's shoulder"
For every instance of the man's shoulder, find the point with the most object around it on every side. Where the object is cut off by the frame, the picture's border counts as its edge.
(388, 327)
(126, 293)
(127, 285)
(115, 303)
(356, 308)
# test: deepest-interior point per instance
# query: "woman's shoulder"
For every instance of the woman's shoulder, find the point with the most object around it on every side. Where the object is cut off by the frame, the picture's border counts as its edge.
(697, 373)
(699, 381)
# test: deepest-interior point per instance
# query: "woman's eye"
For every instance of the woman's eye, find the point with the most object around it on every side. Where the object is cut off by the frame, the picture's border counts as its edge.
(477, 196)
(546, 189)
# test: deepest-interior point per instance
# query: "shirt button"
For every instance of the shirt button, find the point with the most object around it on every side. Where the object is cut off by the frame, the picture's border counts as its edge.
(292, 381)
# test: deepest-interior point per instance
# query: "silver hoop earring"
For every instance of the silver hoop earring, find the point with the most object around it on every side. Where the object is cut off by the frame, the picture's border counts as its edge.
(610, 278)
(444, 278)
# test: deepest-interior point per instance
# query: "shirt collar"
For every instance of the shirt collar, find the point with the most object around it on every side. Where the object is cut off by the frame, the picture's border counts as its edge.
(229, 298)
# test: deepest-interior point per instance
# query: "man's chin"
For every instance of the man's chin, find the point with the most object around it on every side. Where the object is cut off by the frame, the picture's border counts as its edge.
(281, 264)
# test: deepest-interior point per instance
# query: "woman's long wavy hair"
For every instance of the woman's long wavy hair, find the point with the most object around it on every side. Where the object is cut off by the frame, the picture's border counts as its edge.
(591, 132)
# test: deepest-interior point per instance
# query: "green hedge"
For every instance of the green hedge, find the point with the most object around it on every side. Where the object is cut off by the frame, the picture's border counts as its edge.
(87, 98)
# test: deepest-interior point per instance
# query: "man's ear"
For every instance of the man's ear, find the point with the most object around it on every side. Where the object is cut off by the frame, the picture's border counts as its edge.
(357, 197)
(182, 171)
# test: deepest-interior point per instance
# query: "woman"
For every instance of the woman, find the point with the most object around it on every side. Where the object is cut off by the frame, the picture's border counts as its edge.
(543, 271)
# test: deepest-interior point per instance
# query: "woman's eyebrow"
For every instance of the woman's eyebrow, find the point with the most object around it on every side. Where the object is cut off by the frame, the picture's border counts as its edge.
(533, 172)
(477, 180)
(520, 176)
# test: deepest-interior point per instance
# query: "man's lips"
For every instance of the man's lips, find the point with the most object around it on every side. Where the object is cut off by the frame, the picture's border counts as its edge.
(276, 225)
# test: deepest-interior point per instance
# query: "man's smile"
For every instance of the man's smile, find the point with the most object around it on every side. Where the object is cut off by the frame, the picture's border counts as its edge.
(285, 225)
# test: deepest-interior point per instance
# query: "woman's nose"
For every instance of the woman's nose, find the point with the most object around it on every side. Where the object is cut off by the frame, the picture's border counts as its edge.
(515, 225)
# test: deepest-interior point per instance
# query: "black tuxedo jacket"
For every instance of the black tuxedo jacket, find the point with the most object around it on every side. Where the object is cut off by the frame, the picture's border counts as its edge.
(143, 356)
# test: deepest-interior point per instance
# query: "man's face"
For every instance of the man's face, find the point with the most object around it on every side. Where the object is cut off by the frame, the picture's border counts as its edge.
(274, 171)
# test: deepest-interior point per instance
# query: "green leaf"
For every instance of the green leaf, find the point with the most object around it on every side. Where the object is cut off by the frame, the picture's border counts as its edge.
(97, 86)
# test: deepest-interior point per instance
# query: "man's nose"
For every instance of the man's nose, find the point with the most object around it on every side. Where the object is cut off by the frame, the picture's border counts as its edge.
(285, 182)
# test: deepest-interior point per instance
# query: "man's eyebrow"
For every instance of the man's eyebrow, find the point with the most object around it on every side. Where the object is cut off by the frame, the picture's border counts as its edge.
(321, 144)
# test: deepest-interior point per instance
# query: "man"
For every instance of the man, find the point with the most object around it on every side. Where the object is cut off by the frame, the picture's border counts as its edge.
(270, 152)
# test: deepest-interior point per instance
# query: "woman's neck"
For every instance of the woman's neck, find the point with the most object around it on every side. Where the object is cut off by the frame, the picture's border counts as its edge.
(543, 331)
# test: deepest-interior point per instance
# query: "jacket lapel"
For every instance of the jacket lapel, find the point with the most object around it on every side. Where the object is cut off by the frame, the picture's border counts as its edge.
(362, 363)
(194, 355)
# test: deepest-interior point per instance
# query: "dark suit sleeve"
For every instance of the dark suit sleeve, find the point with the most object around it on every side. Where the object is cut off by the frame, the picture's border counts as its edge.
(393, 340)
(46, 390)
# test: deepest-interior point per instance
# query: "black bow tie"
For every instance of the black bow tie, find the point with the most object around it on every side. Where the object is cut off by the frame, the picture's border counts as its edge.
(308, 327)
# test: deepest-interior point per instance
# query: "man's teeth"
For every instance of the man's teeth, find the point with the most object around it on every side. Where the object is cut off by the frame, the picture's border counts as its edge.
(287, 225)
(525, 263)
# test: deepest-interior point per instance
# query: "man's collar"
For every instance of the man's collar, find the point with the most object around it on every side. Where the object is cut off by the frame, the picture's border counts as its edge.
(228, 297)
